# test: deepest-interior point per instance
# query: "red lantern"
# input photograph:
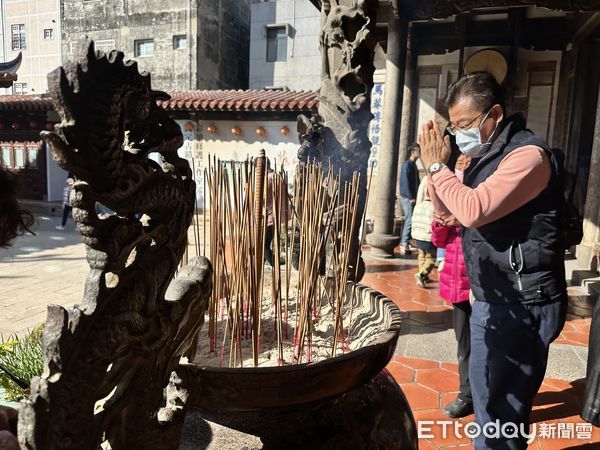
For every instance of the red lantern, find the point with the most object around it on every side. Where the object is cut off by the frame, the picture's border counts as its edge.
(33, 124)
(260, 131)
(285, 130)
(189, 126)
(212, 129)
(2, 126)
(16, 126)
(49, 126)
(236, 131)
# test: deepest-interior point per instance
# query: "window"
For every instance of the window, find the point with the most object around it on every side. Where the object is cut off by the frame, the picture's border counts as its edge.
(6, 160)
(105, 45)
(18, 36)
(48, 33)
(72, 47)
(19, 157)
(276, 44)
(180, 41)
(32, 154)
(143, 47)
(20, 88)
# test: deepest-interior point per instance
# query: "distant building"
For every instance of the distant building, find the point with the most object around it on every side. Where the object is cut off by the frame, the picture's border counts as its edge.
(284, 45)
(184, 45)
(227, 124)
(33, 28)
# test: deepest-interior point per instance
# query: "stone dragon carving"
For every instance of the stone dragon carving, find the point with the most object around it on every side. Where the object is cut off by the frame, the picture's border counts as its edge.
(110, 377)
(347, 48)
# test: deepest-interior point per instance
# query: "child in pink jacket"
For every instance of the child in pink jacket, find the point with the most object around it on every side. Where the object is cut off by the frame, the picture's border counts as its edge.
(455, 288)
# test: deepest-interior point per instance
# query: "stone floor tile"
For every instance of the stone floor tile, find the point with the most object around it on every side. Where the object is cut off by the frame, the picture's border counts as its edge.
(401, 373)
(417, 363)
(420, 397)
(439, 380)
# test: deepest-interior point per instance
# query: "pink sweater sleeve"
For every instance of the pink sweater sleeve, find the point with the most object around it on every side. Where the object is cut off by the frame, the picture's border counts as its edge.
(438, 206)
(519, 178)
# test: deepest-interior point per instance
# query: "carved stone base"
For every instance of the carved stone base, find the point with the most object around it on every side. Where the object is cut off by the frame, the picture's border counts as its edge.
(382, 245)
(376, 415)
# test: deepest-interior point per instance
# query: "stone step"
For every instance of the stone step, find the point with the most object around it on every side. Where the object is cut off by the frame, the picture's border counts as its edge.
(581, 305)
(579, 276)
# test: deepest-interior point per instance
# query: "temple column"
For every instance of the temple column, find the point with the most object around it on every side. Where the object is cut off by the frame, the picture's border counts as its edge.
(588, 252)
(382, 241)
(408, 105)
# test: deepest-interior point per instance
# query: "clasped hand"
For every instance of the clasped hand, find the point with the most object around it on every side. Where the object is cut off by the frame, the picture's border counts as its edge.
(434, 147)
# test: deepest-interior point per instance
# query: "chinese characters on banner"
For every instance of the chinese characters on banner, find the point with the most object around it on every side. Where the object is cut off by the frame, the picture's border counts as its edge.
(191, 150)
(375, 126)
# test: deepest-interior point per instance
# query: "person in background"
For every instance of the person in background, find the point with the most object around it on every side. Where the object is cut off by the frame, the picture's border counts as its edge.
(284, 211)
(268, 257)
(511, 208)
(409, 185)
(421, 231)
(67, 208)
(455, 288)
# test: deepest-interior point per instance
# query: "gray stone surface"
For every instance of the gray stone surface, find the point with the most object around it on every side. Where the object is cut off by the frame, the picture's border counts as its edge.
(427, 342)
(565, 362)
(199, 434)
(217, 56)
(37, 270)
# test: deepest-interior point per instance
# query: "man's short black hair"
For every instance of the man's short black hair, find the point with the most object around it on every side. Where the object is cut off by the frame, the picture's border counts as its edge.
(481, 87)
(411, 148)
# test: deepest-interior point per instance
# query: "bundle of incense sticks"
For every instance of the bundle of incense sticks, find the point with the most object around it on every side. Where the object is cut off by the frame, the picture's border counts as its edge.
(250, 203)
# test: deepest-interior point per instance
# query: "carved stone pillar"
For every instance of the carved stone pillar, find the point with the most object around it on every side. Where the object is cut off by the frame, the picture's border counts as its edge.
(382, 241)
(588, 252)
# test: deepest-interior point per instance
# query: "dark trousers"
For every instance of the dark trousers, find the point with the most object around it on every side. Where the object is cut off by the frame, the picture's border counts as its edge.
(66, 211)
(461, 314)
(509, 353)
(268, 242)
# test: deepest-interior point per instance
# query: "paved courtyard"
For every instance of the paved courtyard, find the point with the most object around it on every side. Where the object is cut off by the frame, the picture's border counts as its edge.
(37, 270)
(425, 365)
(51, 268)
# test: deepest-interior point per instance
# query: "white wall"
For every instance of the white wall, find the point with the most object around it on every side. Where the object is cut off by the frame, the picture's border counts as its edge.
(200, 145)
(55, 177)
(302, 69)
(40, 55)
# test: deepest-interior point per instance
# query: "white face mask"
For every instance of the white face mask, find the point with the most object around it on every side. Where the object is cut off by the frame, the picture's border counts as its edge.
(469, 142)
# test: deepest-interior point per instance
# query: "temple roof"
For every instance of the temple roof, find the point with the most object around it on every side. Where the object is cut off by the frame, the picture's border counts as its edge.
(8, 71)
(265, 100)
(26, 103)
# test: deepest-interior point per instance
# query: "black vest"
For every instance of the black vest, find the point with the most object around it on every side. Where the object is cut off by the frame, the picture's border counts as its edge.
(520, 257)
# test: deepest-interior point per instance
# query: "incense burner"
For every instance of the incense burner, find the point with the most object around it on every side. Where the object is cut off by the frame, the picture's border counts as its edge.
(347, 401)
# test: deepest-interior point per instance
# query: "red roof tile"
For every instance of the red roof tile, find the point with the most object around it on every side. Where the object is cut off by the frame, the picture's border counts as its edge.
(266, 100)
(25, 103)
(240, 101)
